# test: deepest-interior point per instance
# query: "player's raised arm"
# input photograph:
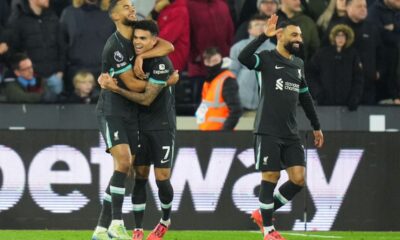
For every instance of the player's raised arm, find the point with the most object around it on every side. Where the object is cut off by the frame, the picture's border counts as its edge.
(248, 57)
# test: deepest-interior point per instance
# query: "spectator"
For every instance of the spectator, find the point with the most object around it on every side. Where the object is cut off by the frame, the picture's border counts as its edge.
(315, 8)
(84, 91)
(35, 30)
(335, 10)
(4, 13)
(247, 80)
(220, 106)
(86, 28)
(247, 9)
(21, 84)
(210, 25)
(291, 9)
(367, 43)
(266, 8)
(386, 14)
(336, 71)
(173, 20)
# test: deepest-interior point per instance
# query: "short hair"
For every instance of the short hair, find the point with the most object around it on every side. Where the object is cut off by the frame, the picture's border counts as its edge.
(16, 59)
(285, 24)
(256, 17)
(211, 51)
(348, 2)
(111, 6)
(82, 76)
(147, 25)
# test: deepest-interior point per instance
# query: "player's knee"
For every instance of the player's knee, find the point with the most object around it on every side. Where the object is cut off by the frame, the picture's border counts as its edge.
(123, 162)
(271, 176)
(299, 180)
(142, 172)
(162, 174)
(165, 191)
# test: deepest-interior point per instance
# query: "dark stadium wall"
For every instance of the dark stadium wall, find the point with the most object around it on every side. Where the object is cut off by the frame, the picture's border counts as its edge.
(54, 179)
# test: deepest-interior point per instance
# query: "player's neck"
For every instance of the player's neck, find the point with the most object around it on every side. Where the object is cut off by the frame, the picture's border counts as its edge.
(125, 31)
(283, 52)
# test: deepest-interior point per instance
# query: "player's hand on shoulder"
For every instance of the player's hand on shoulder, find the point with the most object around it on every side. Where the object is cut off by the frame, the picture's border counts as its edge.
(270, 28)
(138, 68)
(318, 138)
(173, 79)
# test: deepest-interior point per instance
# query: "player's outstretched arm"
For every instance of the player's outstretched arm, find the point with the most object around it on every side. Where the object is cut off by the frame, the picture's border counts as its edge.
(162, 48)
(247, 57)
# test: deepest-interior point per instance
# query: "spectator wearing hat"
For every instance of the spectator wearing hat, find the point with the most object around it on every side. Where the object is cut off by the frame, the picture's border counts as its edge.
(265, 8)
(335, 71)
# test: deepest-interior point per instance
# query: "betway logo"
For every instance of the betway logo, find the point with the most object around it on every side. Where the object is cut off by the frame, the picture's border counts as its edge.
(279, 84)
(205, 187)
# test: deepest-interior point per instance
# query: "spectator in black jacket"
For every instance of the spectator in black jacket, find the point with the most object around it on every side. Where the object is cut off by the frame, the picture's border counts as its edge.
(86, 28)
(368, 44)
(386, 14)
(335, 72)
(35, 30)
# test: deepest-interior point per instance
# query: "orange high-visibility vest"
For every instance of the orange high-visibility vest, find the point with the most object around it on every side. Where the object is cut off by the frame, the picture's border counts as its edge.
(213, 110)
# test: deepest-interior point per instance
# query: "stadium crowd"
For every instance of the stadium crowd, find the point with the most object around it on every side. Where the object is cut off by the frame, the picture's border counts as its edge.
(50, 50)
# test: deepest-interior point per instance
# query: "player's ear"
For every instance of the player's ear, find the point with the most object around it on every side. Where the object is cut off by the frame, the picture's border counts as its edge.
(279, 35)
(154, 40)
(115, 16)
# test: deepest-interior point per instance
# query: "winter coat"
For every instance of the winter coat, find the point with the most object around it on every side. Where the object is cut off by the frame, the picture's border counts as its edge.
(335, 78)
(40, 37)
(173, 22)
(210, 26)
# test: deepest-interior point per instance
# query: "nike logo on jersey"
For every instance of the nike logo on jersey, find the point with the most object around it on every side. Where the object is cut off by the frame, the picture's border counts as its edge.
(130, 59)
(164, 161)
(278, 67)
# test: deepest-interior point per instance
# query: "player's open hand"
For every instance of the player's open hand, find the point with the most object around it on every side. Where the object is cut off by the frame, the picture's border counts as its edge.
(107, 82)
(318, 138)
(270, 28)
(173, 79)
(138, 68)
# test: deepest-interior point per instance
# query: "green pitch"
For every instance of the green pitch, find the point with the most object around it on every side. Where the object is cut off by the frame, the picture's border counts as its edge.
(203, 235)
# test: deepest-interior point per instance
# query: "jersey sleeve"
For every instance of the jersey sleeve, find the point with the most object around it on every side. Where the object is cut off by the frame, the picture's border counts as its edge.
(303, 83)
(160, 72)
(115, 61)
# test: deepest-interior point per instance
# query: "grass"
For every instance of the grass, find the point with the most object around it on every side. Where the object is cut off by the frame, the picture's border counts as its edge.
(201, 235)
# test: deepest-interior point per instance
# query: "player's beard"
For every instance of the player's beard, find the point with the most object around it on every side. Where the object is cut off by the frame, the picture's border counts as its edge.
(292, 49)
(128, 22)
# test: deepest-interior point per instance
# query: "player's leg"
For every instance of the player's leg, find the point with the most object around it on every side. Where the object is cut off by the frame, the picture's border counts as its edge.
(112, 129)
(122, 160)
(293, 157)
(163, 154)
(139, 198)
(268, 161)
(104, 221)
